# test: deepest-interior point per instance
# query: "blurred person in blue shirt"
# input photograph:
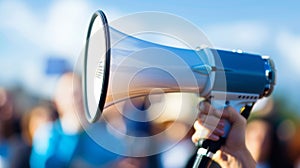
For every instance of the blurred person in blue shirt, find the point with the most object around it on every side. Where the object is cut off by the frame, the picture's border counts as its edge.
(64, 143)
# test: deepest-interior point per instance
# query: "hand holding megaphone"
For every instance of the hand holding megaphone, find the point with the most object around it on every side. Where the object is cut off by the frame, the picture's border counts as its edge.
(234, 150)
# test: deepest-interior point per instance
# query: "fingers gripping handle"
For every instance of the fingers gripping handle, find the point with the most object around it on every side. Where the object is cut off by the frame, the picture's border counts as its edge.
(213, 146)
(242, 103)
(208, 147)
(244, 108)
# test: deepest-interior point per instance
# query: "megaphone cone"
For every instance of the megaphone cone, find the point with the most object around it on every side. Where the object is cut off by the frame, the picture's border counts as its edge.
(119, 66)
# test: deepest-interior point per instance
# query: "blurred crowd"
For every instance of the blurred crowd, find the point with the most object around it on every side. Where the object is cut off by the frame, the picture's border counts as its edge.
(51, 134)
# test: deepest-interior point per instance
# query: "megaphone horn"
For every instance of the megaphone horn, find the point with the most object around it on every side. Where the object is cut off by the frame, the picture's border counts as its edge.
(132, 67)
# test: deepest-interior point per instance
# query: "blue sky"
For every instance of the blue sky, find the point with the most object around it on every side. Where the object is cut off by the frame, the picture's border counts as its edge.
(31, 31)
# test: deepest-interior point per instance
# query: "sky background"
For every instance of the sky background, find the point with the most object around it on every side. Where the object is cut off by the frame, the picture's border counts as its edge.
(32, 32)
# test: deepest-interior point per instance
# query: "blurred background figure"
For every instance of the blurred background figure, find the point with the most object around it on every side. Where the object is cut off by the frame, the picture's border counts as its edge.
(63, 143)
(31, 121)
(6, 127)
(259, 141)
(34, 119)
(294, 147)
(14, 151)
(47, 137)
(6, 105)
(267, 137)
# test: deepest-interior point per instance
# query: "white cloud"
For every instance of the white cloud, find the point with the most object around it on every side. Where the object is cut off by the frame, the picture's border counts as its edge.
(16, 16)
(64, 30)
(288, 46)
(247, 35)
(61, 29)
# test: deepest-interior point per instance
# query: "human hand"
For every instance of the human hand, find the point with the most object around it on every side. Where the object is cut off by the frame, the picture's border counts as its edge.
(210, 125)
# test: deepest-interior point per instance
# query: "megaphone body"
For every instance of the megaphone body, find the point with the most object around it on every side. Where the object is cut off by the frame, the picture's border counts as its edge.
(118, 66)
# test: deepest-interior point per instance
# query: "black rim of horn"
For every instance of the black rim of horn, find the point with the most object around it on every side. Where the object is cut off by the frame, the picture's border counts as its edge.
(101, 102)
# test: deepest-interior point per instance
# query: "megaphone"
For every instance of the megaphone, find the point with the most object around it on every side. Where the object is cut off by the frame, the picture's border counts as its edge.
(118, 67)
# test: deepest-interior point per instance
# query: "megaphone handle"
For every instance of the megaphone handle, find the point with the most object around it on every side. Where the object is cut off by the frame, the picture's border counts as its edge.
(209, 147)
